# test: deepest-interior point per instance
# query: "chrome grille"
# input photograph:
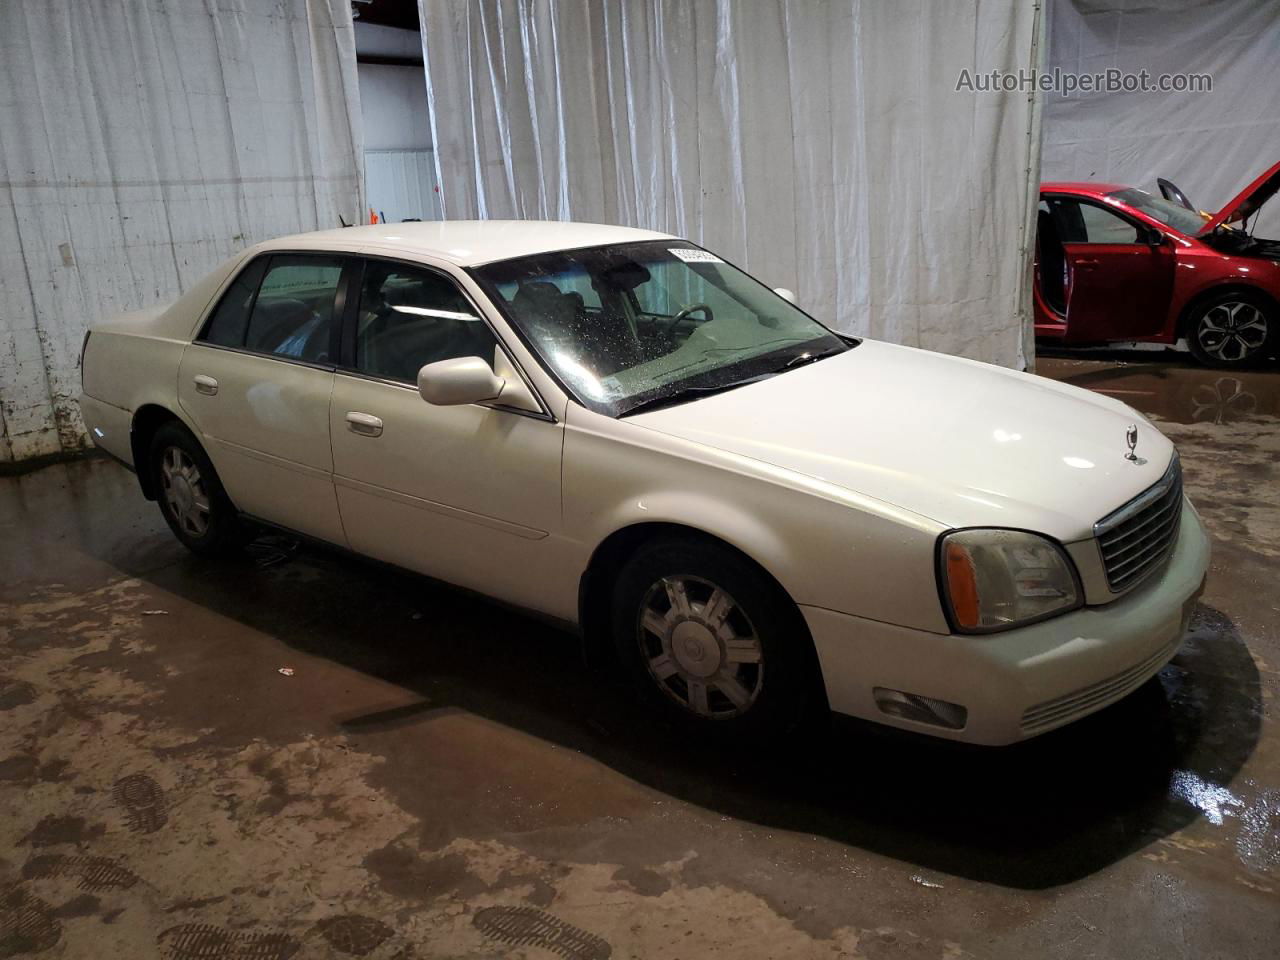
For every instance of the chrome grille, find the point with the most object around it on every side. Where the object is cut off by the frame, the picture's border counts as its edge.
(1135, 539)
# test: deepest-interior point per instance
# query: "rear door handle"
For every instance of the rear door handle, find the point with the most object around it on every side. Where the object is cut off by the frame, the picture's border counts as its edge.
(206, 385)
(365, 424)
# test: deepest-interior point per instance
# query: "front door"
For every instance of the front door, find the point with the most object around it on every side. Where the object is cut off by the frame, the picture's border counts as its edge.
(1118, 284)
(257, 383)
(469, 494)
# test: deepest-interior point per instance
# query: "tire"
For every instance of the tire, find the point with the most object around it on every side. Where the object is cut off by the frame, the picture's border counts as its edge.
(191, 496)
(752, 678)
(1233, 329)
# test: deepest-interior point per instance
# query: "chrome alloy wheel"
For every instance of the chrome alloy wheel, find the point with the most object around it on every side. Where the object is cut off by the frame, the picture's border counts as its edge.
(1232, 331)
(700, 647)
(184, 491)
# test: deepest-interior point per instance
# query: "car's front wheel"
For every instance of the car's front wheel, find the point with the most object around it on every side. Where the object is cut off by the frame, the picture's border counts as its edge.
(1232, 329)
(191, 497)
(712, 641)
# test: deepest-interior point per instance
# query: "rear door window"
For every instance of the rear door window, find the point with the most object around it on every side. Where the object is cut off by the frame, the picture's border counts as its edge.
(293, 313)
(230, 319)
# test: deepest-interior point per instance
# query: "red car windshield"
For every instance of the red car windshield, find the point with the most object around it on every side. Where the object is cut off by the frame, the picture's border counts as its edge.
(1158, 208)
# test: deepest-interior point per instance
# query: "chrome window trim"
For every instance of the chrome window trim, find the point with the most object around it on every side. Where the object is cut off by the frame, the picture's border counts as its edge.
(544, 415)
(282, 358)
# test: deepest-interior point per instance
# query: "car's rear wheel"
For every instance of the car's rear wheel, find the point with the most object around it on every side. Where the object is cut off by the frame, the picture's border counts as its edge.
(191, 496)
(1232, 329)
(712, 642)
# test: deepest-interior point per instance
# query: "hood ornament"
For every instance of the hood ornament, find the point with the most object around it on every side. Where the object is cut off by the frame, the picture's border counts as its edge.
(1131, 438)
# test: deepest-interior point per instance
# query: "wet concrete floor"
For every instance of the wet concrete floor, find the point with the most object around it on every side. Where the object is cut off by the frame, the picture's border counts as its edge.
(442, 777)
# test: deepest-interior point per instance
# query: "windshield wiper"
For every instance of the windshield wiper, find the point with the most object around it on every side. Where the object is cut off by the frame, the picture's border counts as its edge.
(685, 394)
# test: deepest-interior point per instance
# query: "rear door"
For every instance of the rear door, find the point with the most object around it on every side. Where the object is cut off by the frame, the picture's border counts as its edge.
(469, 494)
(1118, 284)
(257, 382)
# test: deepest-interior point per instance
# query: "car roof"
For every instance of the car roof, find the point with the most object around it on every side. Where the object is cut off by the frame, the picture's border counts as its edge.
(1086, 187)
(467, 242)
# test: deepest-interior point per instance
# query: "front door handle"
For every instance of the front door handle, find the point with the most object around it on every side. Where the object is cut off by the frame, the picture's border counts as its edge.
(206, 385)
(1087, 263)
(365, 424)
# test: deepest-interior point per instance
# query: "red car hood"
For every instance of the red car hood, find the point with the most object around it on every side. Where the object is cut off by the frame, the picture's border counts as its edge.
(1247, 202)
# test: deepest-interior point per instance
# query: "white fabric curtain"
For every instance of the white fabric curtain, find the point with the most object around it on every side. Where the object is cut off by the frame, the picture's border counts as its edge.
(820, 145)
(1209, 144)
(142, 143)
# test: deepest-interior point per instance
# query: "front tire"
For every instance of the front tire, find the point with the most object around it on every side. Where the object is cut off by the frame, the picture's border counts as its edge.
(1232, 329)
(191, 496)
(712, 643)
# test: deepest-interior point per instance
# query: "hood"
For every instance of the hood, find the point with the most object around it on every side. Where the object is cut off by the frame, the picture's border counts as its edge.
(960, 442)
(1247, 202)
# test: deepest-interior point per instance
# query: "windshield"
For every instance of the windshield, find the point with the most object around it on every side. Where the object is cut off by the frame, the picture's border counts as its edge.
(627, 325)
(1158, 208)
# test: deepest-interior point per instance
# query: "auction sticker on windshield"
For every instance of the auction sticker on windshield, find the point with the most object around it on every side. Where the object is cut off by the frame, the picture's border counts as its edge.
(695, 256)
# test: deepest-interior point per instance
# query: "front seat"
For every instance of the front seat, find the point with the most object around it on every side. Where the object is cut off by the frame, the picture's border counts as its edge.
(547, 313)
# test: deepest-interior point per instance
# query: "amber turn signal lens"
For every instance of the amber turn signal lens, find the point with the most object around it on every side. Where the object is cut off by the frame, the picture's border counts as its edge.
(962, 586)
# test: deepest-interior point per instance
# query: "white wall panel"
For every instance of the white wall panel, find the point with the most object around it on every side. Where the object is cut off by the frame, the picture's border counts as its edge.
(1210, 144)
(822, 145)
(393, 107)
(142, 143)
(400, 184)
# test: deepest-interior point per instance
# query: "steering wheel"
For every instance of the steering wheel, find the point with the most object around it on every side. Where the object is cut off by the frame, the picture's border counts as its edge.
(684, 314)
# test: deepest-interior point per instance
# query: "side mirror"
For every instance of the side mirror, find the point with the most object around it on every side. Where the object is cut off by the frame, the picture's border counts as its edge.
(785, 294)
(459, 380)
(1154, 238)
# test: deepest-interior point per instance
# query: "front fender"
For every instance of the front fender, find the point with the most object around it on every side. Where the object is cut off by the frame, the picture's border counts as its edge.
(827, 547)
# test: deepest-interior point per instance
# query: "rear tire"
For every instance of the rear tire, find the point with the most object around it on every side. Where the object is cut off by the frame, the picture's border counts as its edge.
(712, 643)
(191, 496)
(1233, 329)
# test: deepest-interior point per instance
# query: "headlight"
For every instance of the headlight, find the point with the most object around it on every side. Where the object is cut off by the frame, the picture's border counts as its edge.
(997, 579)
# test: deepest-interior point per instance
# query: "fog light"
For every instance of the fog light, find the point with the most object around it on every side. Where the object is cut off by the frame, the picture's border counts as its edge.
(912, 706)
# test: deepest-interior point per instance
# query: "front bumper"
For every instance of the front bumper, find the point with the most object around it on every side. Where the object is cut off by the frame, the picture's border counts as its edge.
(1027, 681)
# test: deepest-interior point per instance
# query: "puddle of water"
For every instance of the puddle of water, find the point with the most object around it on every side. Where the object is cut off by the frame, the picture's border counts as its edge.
(1214, 802)
(1175, 391)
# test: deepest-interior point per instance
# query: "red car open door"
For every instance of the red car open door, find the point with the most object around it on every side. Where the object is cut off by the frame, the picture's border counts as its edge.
(1119, 272)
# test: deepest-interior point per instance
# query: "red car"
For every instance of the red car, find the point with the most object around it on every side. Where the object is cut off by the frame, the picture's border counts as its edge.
(1116, 263)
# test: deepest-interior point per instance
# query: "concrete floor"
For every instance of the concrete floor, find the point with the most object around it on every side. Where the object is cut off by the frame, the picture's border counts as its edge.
(440, 777)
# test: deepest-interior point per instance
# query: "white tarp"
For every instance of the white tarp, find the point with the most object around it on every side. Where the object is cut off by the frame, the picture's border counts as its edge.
(141, 144)
(1209, 144)
(821, 145)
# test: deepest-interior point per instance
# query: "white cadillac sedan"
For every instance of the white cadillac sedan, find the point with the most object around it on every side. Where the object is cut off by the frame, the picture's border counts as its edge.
(620, 430)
